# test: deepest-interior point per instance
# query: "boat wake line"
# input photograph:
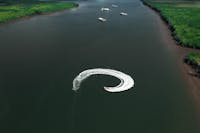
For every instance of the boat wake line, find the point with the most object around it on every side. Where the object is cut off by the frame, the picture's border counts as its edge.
(126, 81)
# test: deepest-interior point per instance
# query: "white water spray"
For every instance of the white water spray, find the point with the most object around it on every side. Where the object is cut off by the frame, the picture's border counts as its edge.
(126, 81)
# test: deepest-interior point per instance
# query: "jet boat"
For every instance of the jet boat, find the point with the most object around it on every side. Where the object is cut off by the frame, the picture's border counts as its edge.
(113, 5)
(101, 19)
(123, 14)
(105, 9)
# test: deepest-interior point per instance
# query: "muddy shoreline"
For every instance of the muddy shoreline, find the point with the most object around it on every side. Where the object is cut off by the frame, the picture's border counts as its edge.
(170, 26)
(176, 39)
(187, 72)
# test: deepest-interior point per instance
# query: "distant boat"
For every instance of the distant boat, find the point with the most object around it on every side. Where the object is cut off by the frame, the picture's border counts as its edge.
(113, 5)
(105, 9)
(102, 19)
(123, 14)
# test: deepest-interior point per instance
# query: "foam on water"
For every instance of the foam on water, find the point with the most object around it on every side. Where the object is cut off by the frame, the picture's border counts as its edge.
(126, 81)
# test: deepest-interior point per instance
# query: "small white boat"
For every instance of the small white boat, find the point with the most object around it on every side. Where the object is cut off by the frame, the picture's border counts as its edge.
(105, 9)
(123, 14)
(102, 19)
(113, 5)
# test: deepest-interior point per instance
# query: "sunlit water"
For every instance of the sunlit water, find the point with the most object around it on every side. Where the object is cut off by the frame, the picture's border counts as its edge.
(41, 56)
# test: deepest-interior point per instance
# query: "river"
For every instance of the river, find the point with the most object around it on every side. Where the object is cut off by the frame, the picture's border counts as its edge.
(40, 57)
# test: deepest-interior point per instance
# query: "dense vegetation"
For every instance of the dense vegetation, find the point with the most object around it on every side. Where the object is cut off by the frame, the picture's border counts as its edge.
(17, 1)
(14, 11)
(183, 18)
(194, 60)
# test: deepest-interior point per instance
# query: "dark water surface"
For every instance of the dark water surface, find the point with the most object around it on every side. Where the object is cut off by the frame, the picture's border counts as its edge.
(41, 56)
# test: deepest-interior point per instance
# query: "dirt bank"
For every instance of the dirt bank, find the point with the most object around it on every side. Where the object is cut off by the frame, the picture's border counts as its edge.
(188, 74)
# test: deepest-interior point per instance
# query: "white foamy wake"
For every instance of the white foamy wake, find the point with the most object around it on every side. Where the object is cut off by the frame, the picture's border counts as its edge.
(126, 81)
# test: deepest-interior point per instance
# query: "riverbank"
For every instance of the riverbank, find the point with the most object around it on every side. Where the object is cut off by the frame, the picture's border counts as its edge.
(193, 59)
(180, 53)
(183, 20)
(16, 11)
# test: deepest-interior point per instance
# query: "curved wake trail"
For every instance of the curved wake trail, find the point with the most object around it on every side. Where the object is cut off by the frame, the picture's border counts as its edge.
(126, 81)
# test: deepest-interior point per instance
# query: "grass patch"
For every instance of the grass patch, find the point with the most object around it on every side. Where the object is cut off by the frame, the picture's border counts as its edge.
(184, 18)
(189, 5)
(193, 59)
(11, 12)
